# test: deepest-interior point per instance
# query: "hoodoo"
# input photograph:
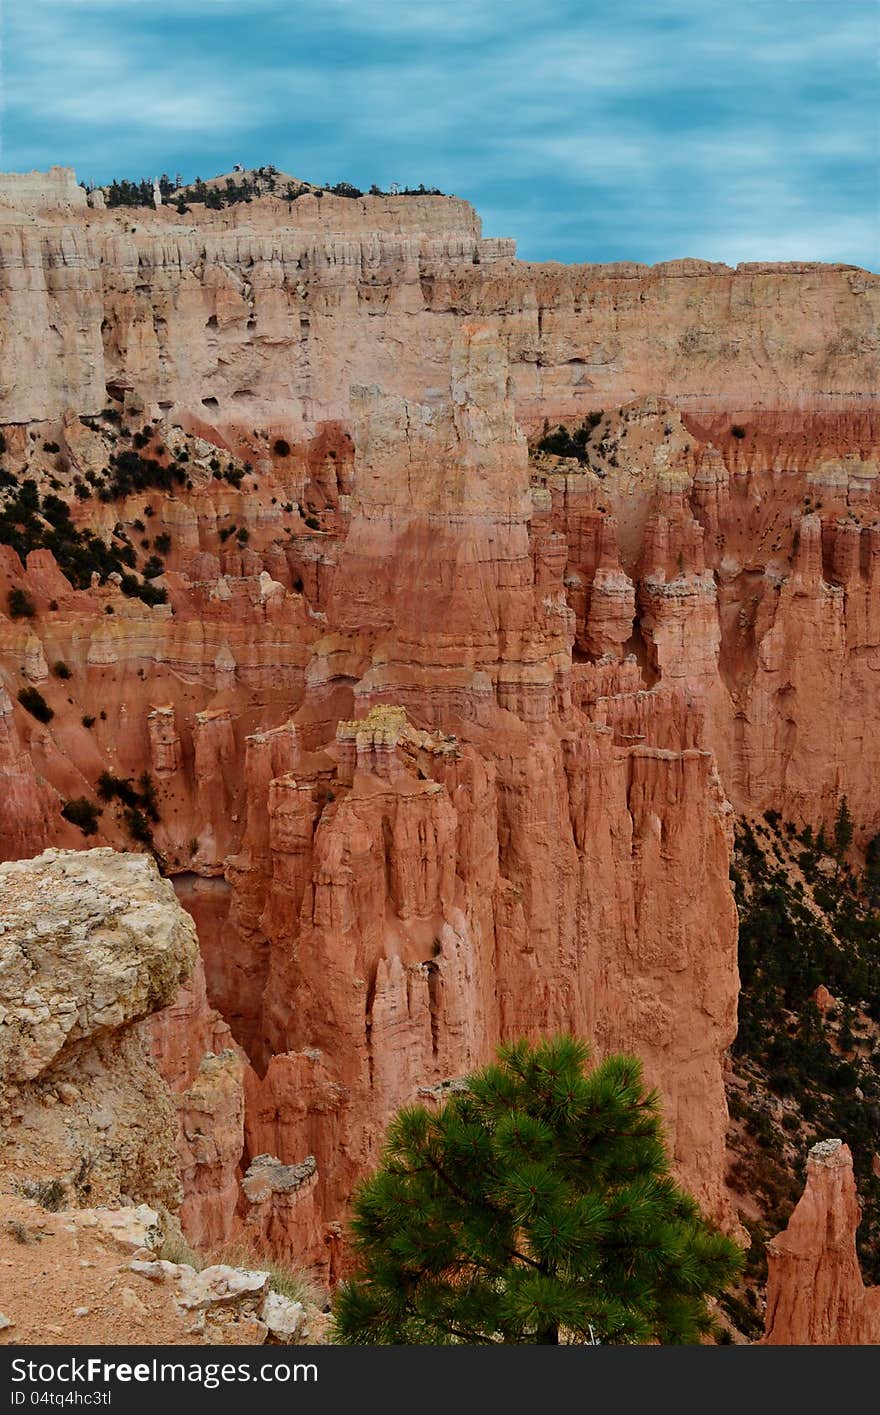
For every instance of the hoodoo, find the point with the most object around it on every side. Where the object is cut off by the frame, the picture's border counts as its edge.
(815, 1293)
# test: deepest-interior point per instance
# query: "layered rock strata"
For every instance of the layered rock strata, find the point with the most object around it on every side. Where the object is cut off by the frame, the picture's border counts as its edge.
(441, 736)
(268, 312)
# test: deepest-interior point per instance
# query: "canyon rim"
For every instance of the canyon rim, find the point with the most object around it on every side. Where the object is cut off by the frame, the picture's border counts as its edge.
(400, 645)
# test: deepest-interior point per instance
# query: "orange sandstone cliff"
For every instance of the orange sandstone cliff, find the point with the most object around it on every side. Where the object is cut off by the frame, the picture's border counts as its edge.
(444, 739)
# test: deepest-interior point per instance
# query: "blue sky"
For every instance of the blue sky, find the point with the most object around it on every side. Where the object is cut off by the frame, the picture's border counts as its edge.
(588, 129)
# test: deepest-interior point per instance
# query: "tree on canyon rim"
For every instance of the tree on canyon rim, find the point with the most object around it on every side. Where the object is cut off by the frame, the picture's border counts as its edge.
(535, 1206)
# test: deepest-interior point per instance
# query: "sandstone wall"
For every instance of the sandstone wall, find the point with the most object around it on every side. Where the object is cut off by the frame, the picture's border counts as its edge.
(269, 313)
(444, 748)
(55, 190)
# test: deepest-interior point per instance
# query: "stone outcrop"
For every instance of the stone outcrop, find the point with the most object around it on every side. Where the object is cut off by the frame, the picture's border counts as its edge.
(815, 1292)
(210, 1145)
(282, 1215)
(49, 192)
(91, 941)
(227, 1306)
(90, 944)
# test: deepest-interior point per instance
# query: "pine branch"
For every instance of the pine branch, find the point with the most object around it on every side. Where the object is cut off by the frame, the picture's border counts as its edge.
(493, 1208)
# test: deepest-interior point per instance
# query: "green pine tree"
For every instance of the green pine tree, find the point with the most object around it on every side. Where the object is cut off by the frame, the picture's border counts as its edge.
(872, 871)
(843, 831)
(536, 1205)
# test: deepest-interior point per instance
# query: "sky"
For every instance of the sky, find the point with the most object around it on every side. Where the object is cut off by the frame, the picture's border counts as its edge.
(589, 130)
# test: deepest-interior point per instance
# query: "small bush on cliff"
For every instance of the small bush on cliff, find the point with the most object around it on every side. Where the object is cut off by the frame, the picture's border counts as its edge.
(137, 825)
(153, 567)
(535, 1206)
(126, 193)
(33, 701)
(21, 606)
(140, 798)
(131, 472)
(82, 812)
(843, 831)
(345, 189)
(565, 443)
(139, 804)
(26, 525)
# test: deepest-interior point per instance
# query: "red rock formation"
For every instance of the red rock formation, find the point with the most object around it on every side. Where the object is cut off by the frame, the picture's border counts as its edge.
(194, 1052)
(27, 804)
(815, 1292)
(165, 752)
(399, 898)
(433, 730)
(434, 894)
(283, 1219)
(210, 1144)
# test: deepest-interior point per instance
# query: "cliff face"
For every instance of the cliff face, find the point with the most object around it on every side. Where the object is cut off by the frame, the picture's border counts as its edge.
(457, 887)
(440, 736)
(266, 314)
(815, 1292)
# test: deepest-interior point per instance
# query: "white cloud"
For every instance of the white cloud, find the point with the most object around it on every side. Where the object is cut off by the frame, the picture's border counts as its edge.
(648, 126)
(103, 80)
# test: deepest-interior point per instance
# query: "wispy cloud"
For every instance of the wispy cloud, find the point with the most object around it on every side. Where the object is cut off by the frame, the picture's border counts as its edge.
(589, 129)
